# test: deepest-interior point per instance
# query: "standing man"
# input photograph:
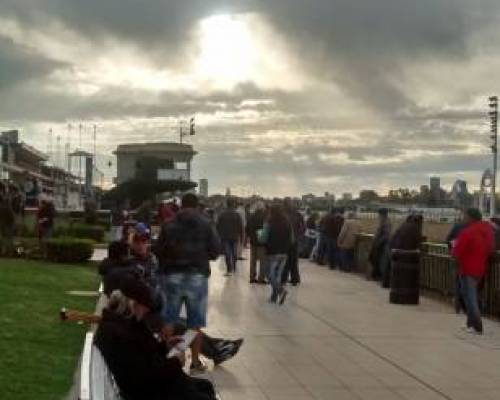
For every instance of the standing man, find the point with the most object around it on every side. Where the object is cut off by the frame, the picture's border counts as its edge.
(380, 252)
(298, 229)
(333, 225)
(347, 241)
(257, 250)
(185, 248)
(472, 250)
(230, 229)
(242, 211)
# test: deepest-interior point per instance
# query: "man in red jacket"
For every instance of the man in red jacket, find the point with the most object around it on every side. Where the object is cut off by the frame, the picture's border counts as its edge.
(472, 250)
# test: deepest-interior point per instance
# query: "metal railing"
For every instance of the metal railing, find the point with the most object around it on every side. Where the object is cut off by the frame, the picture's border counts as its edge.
(438, 273)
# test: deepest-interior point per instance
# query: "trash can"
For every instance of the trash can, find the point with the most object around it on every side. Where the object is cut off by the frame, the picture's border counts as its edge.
(405, 277)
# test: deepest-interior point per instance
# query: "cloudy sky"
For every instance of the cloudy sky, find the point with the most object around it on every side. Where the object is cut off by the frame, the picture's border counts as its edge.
(290, 96)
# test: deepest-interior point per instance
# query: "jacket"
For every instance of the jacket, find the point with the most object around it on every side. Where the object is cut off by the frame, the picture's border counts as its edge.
(187, 244)
(348, 234)
(230, 225)
(137, 361)
(332, 225)
(255, 223)
(473, 248)
(280, 237)
(407, 237)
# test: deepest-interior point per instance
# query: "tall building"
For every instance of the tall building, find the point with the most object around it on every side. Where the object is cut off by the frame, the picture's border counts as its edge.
(154, 161)
(435, 188)
(203, 188)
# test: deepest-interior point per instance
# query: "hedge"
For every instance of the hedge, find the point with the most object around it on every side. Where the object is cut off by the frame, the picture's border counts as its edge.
(93, 232)
(67, 249)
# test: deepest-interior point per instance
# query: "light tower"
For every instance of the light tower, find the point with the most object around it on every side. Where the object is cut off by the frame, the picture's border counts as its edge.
(493, 114)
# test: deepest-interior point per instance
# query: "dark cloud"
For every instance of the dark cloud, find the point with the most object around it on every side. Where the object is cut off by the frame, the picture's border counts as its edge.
(19, 65)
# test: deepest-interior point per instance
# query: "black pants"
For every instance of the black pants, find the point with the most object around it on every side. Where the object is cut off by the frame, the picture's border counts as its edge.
(292, 265)
(199, 389)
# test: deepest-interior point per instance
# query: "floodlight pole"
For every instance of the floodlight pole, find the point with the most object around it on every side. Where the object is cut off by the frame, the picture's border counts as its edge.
(493, 113)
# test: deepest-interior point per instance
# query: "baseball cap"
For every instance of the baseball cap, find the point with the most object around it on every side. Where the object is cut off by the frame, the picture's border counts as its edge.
(142, 232)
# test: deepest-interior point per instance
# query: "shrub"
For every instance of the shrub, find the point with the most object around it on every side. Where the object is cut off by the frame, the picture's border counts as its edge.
(93, 232)
(67, 249)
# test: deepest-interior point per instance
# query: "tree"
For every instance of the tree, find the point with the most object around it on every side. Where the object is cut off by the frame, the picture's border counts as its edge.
(136, 191)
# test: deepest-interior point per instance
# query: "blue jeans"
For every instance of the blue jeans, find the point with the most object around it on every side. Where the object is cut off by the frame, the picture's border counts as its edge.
(333, 253)
(347, 256)
(230, 248)
(276, 265)
(189, 289)
(468, 287)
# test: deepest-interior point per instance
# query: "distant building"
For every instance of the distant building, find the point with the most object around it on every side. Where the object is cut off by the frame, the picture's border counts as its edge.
(228, 192)
(436, 193)
(203, 188)
(154, 161)
(347, 197)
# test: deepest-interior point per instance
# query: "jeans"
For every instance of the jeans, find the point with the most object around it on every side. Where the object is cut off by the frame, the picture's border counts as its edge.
(468, 287)
(320, 248)
(276, 264)
(333, 253)
(292, 265)
(230, 248)
(347, 258)
(190, 290)
(258, 253)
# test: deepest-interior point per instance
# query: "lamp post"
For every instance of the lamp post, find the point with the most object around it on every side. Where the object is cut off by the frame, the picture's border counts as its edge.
(493, 114)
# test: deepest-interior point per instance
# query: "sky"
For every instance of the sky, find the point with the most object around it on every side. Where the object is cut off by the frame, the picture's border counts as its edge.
(290, 96)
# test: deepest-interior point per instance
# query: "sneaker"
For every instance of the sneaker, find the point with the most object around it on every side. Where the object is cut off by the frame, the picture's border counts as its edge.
(228, 352)
(254, 280)
(198, 368)
(283, 295)
(261, 282)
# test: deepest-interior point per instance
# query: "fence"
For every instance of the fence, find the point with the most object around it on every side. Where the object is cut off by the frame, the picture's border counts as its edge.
(438, 271)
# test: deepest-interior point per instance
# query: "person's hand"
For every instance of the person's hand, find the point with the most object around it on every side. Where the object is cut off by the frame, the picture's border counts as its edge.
(182, 357)
(173, 341)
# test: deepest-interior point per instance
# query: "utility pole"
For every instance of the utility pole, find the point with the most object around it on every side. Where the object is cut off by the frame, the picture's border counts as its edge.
(493, 114)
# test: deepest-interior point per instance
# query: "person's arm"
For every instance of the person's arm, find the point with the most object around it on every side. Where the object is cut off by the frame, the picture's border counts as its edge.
(461, 245)
(214, 244)
(342, 235)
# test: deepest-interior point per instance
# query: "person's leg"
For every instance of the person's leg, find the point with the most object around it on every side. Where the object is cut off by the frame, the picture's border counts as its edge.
(285, 275)
(261, 257)
(469, 291)
(332, 250)
(294, 265)
(275, 276)
(348, 260)
(234, 253)
(280, 265)
(253, 263)
(226, 248)
(196, 308)
(172, 293)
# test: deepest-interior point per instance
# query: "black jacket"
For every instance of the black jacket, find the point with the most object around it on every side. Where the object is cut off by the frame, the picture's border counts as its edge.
(137, 361)
(230, 225)
(255, 223)
(187, 244)
(280, 237)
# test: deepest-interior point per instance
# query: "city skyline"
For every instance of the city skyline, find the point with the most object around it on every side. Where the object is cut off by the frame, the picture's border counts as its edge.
(289, 99)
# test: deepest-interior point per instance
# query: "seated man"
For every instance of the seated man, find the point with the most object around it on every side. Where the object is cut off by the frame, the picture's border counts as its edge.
(136, 359)
(144, 264)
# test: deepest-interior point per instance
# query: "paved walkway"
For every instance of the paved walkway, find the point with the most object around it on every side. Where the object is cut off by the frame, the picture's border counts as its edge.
(338, 338)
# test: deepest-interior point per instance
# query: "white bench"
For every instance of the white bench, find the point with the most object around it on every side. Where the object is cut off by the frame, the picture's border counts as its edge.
(96, 381)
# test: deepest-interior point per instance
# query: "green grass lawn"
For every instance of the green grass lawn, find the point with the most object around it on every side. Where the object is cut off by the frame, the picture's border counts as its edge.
(38, 353)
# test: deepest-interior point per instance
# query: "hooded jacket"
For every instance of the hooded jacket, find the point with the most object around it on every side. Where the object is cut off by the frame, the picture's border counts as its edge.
(473, 248)
(187, 244)
(137, 361)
